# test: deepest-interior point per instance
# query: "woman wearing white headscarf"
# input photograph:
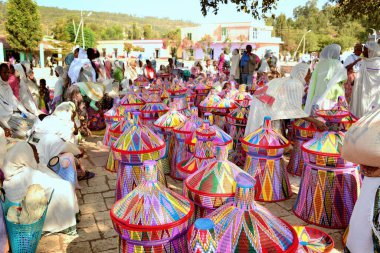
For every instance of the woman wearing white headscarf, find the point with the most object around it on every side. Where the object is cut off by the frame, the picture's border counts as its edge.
(326, 82)
(235, 68)
(21, 169)
(58, 88)
(13, 116)
(30, 81)
(280, 99)
(26, 96)
(366, 93)
(77, 65)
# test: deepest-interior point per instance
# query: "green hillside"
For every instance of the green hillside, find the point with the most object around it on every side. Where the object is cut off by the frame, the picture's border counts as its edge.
(99, 22)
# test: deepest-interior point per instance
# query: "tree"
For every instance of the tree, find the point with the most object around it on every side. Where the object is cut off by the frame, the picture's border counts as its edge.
(173, 39)
(23, 25)
(147, 32)
(136, 34)
(89, 36)
(242, 39)
(128, 47)
(206, 43)
(186, 44)
(60, 31)
(227, 43)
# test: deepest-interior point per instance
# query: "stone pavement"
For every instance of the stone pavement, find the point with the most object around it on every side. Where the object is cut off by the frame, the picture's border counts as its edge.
(95, 231)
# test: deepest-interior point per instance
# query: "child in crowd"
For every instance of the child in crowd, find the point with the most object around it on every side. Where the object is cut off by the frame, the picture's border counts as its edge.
(44, 99)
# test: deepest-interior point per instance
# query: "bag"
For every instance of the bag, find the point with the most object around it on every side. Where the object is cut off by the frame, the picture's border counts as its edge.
(362, 141)
(244, 60)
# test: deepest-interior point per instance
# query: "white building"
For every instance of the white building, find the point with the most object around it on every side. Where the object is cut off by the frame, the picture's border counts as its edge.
(115, 48)
(238, 36)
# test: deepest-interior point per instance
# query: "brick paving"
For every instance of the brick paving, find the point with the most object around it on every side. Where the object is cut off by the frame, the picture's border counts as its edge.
(95, 231)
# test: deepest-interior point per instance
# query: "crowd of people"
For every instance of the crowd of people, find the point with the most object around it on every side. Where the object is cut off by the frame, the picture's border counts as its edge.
(52, 124)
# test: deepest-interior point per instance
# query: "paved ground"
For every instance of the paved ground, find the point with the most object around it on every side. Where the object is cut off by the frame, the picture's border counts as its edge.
(95, 231)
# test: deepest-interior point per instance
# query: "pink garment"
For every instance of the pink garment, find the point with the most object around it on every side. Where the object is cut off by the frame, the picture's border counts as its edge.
(221, 63)
(108, 67)
(15, 85)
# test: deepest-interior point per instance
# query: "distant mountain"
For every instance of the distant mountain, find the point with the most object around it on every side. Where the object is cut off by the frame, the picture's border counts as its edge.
(51, 15)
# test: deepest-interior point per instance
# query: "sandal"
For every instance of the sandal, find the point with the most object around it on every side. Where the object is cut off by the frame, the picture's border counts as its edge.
(86, 176)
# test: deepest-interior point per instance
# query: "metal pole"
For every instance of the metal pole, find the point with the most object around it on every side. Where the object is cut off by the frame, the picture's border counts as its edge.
(304, 42)
(75, 29)
(77, 32)
(295, 52)
(81, 16)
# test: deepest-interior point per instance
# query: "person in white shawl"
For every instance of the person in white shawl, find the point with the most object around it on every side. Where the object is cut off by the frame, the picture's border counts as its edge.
(58, 88)
(79, 62)
(21, 169)
(326, 82)
(280, 99)
(30, 81)
(366, 93)
(235, 68)
(26, 96)
(13, 115)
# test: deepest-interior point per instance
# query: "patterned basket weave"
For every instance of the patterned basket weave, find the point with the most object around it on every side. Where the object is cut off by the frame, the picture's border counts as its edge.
(330, 185)
(178, 96)
(135, 146)
(302, 131)
(244, 226)
(182, 132)
(221, 140)
(152, 110)
(132, 101)
(337, 119)
(115, 114)
(141, 81)
(201, 237)
(242, 95)
(203, 154)
(201, 90)
(264, 149)
(152, 218)
(165, 124)
(313, 240)
(221, 110)
(212, 186)
(237, 121)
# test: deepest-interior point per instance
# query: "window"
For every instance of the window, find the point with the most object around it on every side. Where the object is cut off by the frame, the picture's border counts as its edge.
(189, 36)
(254, 33)
(224, 31)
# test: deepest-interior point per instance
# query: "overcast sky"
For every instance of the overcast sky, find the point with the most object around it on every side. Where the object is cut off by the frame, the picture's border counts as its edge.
(175, 9)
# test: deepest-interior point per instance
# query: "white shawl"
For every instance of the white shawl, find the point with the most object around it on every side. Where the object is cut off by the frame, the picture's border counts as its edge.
(366, 93)
(25, 94)
(288, 93)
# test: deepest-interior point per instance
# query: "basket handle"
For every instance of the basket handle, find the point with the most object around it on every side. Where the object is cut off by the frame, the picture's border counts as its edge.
(51, 196)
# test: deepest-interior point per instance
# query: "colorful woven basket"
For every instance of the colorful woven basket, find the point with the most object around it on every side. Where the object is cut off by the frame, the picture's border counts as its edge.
(141, 81)
(132, 101)
(264, 162)
(312, 240)
(201, 90)
(133, 147)
(212, 186)
(152, 110)
(182, 132)
(201, 237)
(325, 150)
(242, 95)
(203, 155)
(244, 226)
(210, 102)
(327, 196)
(165, 124)
(152, 218)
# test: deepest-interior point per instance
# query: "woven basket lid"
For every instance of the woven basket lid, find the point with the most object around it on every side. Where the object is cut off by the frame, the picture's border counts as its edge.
(151, 206)
(132, 98)
(211, 101)
(202, 86)
(116, 113)
(217, 179)
(176, 88)
(189, 126)
(226, 103)
(165, 94)
(302, 124)
(242, 94)
(154, 105)
(325, 144)
(244, 226)
(265, 137)
(138, 140)
(333, 114)
(238, 115)
(171, 119)
(141, 81)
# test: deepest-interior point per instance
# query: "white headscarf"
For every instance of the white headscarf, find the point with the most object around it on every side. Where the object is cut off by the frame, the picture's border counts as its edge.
(288, 93)
(7, 102)
(58, 88)
(366, 93)
(77, 64)
(324, 88)
(235, 59)
(3, 147)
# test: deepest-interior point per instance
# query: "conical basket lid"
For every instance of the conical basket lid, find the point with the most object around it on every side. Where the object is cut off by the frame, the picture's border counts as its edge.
(151, 206)
(226, 103)
(244, 226)
(170, 119)
(177, 88)
(189, 126)
(211, 101)
(154, 107)
(242, 94)
(132, 98)
(138, 140)
(238, 115)
(116, 113)
(304, 125)
(141, 81)
(265, 137)
(326, 144)
(165, 94)
(202, 86)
